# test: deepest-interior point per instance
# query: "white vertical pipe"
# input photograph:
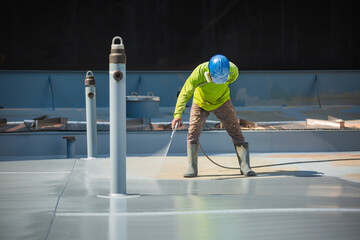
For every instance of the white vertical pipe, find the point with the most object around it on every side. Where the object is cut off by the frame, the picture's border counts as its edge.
(91, 128)
(70, 146)
(117, 85)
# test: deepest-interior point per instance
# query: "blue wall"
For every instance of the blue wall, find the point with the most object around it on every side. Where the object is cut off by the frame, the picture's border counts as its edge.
(65, 89)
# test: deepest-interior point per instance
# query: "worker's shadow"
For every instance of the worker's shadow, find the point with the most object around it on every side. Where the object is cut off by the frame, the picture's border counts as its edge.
(294, 173)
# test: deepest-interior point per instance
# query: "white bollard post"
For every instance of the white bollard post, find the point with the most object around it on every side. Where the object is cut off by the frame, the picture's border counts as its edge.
(91, 128)
(117, 85)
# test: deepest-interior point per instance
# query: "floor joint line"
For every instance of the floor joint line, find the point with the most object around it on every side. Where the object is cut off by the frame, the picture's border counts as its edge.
(58, 200)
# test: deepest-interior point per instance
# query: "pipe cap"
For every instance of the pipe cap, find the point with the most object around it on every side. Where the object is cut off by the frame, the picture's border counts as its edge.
(89, 79)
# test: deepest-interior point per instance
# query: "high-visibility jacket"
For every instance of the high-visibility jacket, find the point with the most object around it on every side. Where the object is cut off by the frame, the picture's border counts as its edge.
(207, 95)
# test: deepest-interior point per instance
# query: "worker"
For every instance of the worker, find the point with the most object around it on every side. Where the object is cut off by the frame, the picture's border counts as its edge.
(209, 83)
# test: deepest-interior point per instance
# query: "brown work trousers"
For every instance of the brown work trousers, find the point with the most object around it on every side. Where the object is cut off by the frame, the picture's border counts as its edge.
(225, 113)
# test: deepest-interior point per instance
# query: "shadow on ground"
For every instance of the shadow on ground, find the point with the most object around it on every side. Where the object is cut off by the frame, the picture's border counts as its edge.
(299, 173)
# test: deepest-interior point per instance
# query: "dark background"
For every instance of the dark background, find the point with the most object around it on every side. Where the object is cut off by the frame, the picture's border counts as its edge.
(178, 35)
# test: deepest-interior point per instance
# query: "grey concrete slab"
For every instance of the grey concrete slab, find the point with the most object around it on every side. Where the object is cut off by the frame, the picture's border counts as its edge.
(210, 226)
(307, 188)
(160, 196)
(36, 166)
(281, 208)
(27, 203)
(289, 199)
(29, 192)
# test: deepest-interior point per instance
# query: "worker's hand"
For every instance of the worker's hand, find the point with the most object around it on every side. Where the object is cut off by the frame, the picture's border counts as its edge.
(174, 121)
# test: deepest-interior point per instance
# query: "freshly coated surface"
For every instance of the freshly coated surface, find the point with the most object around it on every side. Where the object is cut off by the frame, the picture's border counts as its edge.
(294, 196)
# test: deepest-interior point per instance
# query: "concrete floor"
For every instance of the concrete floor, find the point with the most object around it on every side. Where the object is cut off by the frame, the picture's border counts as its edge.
(294, 196)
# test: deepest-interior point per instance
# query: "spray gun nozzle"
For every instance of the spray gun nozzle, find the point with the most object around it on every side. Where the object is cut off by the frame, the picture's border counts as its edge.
(172, 134)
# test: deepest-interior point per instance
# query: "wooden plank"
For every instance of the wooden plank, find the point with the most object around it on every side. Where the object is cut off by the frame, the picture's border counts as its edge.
(352, 124)
(247, 123)
(325, 123)
(337, 120)
(243, 123)
(18, 127)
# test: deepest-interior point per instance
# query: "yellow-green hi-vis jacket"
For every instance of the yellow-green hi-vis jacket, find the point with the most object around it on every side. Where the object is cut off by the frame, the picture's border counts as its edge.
(207, 94)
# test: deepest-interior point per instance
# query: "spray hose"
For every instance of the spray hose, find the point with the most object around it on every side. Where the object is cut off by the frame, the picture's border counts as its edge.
(202, 150)
(219, 165)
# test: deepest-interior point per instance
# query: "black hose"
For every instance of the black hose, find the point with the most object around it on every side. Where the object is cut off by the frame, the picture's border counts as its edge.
(214, 161)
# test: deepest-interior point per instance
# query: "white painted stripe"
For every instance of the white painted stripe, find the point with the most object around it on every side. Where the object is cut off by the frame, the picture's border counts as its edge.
(227, 211)
(8, 173)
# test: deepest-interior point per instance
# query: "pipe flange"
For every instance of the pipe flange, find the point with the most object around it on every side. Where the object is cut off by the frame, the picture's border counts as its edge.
(118, 75)
(91, 94)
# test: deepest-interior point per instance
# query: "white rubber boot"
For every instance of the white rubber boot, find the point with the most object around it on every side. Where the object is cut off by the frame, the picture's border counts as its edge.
(192, 157)
(242, 153)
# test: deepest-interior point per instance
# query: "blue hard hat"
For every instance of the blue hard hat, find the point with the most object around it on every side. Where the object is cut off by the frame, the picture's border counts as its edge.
(219, 68)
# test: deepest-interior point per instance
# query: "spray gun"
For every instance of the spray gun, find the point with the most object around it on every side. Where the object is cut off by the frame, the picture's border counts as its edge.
(173, 132)
(171, 138)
